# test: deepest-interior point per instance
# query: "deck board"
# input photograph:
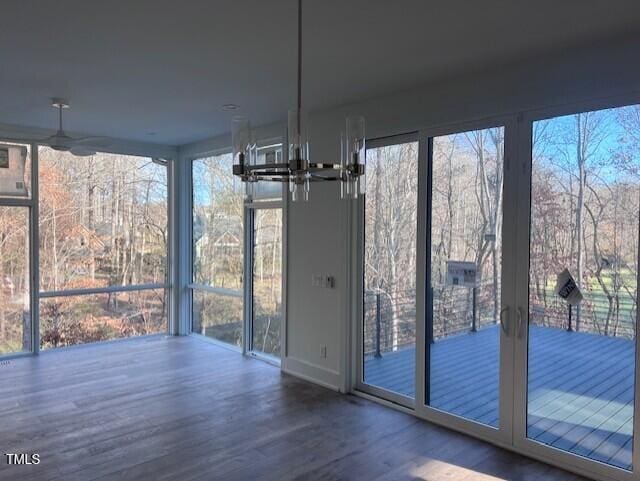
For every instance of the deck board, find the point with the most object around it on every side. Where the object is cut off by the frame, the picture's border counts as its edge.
(581, 386)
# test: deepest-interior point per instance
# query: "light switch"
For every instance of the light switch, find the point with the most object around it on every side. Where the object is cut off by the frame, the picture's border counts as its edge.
(321, 280)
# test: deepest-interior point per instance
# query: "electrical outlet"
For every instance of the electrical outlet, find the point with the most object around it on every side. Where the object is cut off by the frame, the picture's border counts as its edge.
(323, 352)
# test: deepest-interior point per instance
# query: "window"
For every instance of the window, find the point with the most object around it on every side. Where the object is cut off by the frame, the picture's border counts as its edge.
(15, 171)
(79, 319)
(389, 297)
(270, 153)
(236, 288)
(218, 250)
(15, 270)
(467, 172)
(103, 229)
(266, 281)
(15, 317)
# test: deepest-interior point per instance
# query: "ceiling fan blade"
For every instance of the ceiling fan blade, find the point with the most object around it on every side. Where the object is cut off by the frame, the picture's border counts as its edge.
(93, 141)
(82, 151)
(24, 139)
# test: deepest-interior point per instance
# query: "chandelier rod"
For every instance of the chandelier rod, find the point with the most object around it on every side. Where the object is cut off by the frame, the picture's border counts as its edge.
(299, 62)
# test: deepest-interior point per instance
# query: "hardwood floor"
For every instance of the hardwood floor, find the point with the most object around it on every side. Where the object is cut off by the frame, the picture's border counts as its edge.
(180, 408)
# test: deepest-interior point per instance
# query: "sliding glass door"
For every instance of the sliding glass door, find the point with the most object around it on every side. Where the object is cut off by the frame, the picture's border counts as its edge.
(513, 316)
(579, 345)
(466, 267)
(465, 274)
(430, 333)
(388, 316)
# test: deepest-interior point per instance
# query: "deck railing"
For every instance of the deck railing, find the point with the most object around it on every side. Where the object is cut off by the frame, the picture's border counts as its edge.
(597, 314)
(389, 320)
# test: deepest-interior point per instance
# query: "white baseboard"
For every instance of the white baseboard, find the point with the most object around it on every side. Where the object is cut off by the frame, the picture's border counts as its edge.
(313, 373)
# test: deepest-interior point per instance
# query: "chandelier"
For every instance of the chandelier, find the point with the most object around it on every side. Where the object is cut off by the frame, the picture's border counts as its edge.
(298, 171)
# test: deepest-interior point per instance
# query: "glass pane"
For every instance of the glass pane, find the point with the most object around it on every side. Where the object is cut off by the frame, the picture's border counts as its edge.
(15, 170)
(70, 320)
(584, 227)
(270, 154)
(15, 310)
(390, 268)
(103, 220)
(218, 315)
(218, 206)
(218, 247)
(466, 260)
(267, 281)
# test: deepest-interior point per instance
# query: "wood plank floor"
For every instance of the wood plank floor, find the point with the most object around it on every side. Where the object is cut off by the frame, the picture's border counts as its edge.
(580, 395)
(184, 409)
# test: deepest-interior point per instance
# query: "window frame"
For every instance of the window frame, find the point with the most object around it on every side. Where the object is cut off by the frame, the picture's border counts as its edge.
(188, 249)
(521, 442)
(31, 203)
(501, 434)
(167, 286)
(248, 213)
(358, 233)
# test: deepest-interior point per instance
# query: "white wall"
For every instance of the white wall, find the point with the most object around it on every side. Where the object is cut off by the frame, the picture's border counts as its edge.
(318, 232)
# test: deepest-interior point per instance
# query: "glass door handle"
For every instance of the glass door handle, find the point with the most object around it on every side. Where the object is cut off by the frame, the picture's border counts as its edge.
(520, 322)
(503, 322)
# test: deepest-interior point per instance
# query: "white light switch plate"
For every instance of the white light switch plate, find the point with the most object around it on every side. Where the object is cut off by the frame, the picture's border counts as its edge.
(321, 280)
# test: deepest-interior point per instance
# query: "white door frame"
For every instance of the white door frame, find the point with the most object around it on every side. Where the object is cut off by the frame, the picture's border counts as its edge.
(515, 276)
(358, 283)
(502, 434)
(565, 459)
(250, 209)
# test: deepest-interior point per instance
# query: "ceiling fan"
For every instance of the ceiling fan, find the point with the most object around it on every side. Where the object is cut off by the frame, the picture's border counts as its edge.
(82, 147)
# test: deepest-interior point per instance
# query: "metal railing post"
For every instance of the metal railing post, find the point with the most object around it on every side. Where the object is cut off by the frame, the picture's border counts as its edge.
(473, 321)
(569, 328)
(377, 354)
(429, 313)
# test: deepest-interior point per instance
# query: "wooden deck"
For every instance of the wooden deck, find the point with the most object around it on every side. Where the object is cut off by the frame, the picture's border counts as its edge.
(580, 395)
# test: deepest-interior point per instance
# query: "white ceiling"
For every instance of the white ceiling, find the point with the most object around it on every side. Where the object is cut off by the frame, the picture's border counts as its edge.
(134, 67)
